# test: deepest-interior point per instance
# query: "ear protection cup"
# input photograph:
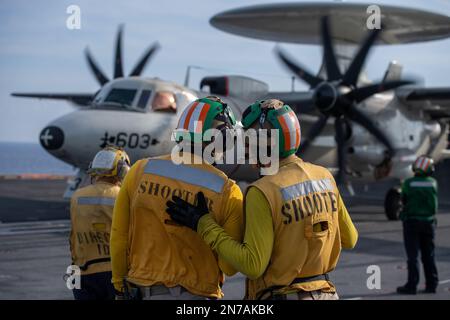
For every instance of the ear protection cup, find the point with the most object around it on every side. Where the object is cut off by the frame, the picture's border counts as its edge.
(122, 169)
(226, 130)
(227, 125)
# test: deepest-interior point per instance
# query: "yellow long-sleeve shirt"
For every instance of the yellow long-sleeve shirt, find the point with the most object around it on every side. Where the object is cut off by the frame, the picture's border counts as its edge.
(121, 224)
(252, 256)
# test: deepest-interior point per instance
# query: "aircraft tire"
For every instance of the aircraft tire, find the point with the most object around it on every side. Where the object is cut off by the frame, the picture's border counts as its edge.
(393, 204)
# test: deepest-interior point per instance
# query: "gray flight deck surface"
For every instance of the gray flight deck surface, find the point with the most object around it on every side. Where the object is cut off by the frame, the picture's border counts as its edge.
(34, 252)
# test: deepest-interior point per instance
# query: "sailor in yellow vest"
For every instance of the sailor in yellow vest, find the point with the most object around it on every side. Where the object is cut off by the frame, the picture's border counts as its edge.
(157, 258)
(91, 210)
(296, 221)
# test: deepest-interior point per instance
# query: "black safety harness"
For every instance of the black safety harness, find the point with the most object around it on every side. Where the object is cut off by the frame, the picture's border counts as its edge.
(91, 262)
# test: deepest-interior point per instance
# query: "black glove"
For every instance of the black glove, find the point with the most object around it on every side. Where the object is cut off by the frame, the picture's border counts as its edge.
(185, 213)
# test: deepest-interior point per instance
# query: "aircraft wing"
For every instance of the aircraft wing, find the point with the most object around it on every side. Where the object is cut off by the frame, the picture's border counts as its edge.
(434, 101)
(79, 99)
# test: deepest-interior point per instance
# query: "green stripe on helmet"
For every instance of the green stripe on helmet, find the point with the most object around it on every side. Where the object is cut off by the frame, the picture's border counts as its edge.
(251, 114)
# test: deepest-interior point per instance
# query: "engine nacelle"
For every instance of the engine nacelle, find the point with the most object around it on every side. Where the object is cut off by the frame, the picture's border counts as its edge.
(235, 86)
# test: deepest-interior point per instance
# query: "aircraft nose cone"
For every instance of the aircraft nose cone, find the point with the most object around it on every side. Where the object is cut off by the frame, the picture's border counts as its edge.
(51, 138)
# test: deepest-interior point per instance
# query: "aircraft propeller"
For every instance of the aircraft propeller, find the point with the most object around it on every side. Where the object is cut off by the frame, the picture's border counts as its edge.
(338, 95)
(118, 64)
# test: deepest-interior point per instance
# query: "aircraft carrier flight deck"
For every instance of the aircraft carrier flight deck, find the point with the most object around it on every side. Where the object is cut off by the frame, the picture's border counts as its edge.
(34, 252)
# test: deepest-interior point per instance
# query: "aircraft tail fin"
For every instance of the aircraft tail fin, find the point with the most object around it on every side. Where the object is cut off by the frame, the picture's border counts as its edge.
(393, 72)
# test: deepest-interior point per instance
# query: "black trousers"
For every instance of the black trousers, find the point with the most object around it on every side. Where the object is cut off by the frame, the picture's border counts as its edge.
(419, 236)
(96, 286)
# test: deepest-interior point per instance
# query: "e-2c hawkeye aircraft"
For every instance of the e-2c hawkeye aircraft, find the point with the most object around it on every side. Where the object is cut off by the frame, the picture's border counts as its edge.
(373, 130)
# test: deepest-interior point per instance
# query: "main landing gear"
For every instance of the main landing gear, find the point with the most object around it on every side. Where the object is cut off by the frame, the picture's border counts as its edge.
(393, 203)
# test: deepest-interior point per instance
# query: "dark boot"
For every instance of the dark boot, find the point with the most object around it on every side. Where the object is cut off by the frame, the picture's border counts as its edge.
(429, 290)
(406, 289)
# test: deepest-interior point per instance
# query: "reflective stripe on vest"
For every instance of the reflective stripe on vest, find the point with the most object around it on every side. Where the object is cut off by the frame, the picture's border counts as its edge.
(306, 187)
(194, 176)
(420, 184)
(102, 201)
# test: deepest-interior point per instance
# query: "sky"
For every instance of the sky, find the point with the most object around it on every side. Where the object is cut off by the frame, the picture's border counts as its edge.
(38, 53)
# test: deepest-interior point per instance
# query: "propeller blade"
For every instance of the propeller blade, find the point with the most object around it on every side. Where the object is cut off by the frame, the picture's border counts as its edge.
(118, 68)
(352, 73)
(339, 125)
(299, 71)
(313, 132)
(354, 114)
(329, 57)
(363, 93)
(140, 65)
(98, 73)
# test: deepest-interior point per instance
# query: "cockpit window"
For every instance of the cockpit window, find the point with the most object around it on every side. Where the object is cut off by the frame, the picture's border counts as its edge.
(123, 97)
(143, 99)
(164, 101)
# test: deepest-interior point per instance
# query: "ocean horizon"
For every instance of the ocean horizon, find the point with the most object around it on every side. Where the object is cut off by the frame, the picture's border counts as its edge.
(18, 158)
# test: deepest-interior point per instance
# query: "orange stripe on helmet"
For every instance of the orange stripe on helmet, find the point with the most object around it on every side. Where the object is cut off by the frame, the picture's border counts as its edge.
(183, 116)
(189, 114)
(202, 117)
(286, 133)
(297, 128)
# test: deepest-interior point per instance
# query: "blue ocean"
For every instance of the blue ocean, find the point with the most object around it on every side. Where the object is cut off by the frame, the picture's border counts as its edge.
(30, 158)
